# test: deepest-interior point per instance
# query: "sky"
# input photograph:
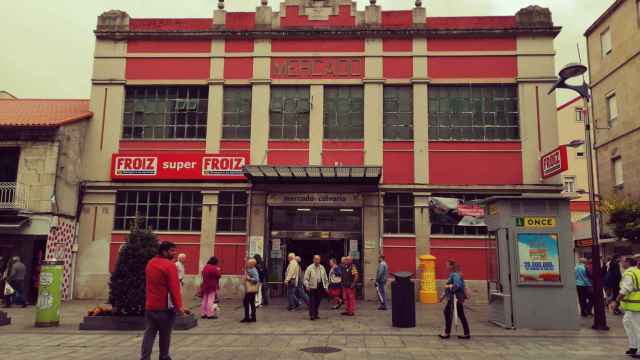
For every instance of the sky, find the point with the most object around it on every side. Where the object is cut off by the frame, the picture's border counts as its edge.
(47, 46)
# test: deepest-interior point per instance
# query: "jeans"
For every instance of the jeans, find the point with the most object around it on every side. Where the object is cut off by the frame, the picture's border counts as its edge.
(18, 296)
(349, 297)
(158, 322)
(315, 297)
(448, 317)
(291, 295)
(584, 298)
(301, 295)
(382, 293)
(249, 302)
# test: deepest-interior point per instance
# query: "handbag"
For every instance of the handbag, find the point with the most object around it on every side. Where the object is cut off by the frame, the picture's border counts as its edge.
(250, 287)
(8, 290)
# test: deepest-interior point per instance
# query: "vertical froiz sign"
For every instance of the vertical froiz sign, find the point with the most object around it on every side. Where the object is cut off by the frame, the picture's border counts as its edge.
(178, 166)
(554, 162)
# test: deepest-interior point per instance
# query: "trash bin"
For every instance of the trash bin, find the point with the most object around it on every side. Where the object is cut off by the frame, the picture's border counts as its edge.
(403, 301)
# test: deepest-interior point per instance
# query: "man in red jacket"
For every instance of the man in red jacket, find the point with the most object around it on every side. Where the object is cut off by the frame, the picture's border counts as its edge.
(163, 301)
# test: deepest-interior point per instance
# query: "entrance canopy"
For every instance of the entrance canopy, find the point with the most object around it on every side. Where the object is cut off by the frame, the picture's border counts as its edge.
(266, 174)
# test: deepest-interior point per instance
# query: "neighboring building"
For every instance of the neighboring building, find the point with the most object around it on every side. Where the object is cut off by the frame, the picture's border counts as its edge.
(614, 60)
(40, 146)
(316, 129)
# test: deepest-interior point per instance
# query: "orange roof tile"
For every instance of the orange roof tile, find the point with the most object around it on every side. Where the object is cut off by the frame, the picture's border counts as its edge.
(42, 112)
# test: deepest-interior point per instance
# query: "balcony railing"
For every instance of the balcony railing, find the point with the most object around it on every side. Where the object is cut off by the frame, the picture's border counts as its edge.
(13, 196)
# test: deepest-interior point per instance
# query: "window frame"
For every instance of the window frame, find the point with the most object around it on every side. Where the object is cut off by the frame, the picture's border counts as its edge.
(232, 218)
(167, 202)
(302, 116)
(612, 121)
(395, 209)
(333, 128)
(618, 179)
(474, 112)
(456, 230)
(165, 113)
(606, 35)
(238, 95)
(387, 115)
(580, 115)
(569, 179)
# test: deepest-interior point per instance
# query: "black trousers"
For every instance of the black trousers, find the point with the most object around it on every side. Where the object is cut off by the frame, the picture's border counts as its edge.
(249, 303)
(315, 297)
(158, 323)
(448, 317)
(585, 300)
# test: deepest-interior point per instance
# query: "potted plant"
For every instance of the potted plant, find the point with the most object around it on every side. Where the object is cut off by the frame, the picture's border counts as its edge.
(127, 287)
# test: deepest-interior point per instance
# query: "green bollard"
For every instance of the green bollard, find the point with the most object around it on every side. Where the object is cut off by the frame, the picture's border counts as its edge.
(49, 294)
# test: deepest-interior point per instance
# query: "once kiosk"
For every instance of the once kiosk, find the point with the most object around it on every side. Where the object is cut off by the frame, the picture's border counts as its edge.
(532, 279)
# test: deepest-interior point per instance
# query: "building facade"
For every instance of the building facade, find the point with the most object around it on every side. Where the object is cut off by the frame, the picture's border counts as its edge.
(40, 146)
(319, 128)
(614, 59)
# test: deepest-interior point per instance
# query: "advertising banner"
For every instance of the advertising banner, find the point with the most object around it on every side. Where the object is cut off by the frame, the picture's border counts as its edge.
(554, 162)
(49, 294)
(538, 257)
(177, 166)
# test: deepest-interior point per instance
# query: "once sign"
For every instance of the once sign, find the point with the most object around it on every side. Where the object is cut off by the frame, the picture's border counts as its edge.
(323, 68)
(178, 166)
(554, 162)
(536, 222)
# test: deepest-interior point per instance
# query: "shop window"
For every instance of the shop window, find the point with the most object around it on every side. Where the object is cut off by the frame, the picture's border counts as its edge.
(612, 109)
(398, 113)
(232, 212)
(569, 184)
(165, 112)
(398, 213)
(160, 210)
(289, 113)
(445, 219)
(605, 42)
(474, 112)
(343, 113)
(236, 120)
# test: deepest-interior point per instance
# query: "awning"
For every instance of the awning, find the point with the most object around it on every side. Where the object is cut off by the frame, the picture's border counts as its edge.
(13, 222)
(313, 174)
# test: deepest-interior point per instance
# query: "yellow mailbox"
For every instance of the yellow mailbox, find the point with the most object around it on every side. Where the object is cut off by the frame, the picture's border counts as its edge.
(428, 291)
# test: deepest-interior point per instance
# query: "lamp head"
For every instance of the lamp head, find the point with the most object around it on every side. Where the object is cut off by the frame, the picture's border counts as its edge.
(575, 143)
(572, 70)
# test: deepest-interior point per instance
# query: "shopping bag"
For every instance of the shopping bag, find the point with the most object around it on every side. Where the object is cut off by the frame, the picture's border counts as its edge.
(8, 290)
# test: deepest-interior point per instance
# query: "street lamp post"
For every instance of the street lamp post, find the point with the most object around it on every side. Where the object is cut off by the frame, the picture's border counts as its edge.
(568, 72)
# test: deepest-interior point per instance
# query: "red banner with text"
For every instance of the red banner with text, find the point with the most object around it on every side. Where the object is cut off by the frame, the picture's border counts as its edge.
(317, 68)
(178, 166)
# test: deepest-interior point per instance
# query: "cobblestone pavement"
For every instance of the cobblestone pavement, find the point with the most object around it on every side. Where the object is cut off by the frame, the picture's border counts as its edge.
(281, 335)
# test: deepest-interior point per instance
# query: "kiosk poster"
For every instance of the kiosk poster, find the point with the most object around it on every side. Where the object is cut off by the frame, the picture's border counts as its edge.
(539, 260)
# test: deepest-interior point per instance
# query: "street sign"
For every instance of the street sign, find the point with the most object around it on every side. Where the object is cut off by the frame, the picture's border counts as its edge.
(584, 243)
(536, 222)
(554, 162)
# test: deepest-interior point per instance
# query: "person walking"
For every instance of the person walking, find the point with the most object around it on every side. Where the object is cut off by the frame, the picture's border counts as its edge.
(584, 288)
(382, 275)
(180, 267)
(301, 294)
(251, 281)
(454, 292)
(316, 282)
(629, 300)
(349, 280)
(15, 278)
(335, 283)
(612, 281)
(211, 274)
(162, 285)
(262, 273)
(291, 281)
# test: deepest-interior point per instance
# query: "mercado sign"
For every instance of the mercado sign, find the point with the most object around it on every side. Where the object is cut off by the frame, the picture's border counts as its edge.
(538, 258)
(554, 162)
(320, 68)
(315, 199)
(177, 166)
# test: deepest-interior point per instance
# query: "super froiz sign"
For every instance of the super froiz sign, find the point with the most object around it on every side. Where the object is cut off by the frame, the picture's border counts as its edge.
(178, 167)
(554, 162)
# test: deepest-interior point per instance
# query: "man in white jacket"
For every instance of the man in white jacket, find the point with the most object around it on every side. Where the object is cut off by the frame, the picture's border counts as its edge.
(291, 281)
(315, 281)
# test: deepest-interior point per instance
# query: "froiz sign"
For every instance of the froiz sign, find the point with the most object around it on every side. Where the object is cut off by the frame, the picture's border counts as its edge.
(174, 166)
(554, 162)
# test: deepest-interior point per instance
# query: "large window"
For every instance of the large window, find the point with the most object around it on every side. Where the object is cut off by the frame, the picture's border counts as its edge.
(289, 113)
(232, 211)
(165, 112)
(473, 112)
(398, 213)
(236, 121)
(445, 219)
(160, 210)
(343, 112)
(398, 113)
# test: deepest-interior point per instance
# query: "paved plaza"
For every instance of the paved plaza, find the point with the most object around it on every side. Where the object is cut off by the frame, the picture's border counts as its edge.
(280, 334)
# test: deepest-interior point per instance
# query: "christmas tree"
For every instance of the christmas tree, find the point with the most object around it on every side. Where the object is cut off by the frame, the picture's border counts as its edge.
(127, 284)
